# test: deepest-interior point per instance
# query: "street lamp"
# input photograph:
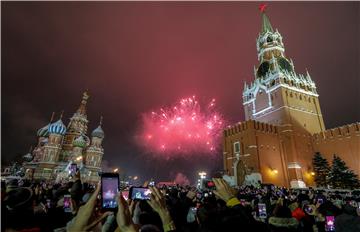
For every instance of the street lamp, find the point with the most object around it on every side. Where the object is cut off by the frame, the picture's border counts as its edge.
(202, 175)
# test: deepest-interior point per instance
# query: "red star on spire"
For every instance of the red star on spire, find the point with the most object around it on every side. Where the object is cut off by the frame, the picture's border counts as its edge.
(262, 7)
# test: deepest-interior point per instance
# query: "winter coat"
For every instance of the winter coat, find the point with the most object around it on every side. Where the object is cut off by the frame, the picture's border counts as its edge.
(278, 224)
(347, 223)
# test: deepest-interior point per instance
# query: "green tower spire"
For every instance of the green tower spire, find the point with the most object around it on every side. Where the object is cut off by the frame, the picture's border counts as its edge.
(266, 25)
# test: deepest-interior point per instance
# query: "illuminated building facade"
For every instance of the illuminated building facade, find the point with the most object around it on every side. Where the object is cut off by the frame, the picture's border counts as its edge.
(58, 146)
(284, 125)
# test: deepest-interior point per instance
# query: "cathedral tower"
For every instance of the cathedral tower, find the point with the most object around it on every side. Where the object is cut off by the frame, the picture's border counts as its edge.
(52, 149)
(76, 127)
(94, 153)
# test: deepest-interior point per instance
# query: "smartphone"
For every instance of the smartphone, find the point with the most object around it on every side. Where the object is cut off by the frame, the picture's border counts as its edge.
(210, 185)
(320, 201)
(72, 170)
(125, 194)
(152, 183)
(329, 223)
(242, 201)
(48, 203)
(308, 209)
(262, 210)
(67, 202)
(139, 193)
(109, 189)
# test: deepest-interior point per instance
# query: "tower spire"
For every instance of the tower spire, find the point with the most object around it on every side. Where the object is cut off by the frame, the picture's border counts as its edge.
(101, 120)
(266, 25)
(61, 115)
(82, 107)
(52, 117)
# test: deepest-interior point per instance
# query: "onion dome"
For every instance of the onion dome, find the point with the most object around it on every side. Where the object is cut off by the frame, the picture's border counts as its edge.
(98, 132)
(57, 127)
(80, 142)
(43, 132)
(28, 157)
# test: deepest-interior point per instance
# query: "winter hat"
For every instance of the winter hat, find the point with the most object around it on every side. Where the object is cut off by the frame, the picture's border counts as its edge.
(18, 198)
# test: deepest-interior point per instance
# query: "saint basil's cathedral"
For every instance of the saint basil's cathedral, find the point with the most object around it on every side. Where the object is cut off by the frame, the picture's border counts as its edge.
(59, 146)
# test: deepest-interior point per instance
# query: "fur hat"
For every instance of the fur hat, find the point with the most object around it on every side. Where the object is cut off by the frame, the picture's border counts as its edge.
(18, 198)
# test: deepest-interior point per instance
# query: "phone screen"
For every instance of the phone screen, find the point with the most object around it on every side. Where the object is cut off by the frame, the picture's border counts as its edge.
(262, 210)
(242, 201)
(210, 185)
(67, 202)
(125, 194)
(73, 168)
(308, 209)
(109, 190)
(329, 223)
(140, 193)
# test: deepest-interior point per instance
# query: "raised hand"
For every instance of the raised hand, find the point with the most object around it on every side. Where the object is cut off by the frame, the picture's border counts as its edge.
(223, 190)
(158, 203)
(123, 216)
(82, 220)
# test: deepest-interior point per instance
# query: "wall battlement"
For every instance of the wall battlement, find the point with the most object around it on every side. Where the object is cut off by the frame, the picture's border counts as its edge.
(250, 124)
(338, 132)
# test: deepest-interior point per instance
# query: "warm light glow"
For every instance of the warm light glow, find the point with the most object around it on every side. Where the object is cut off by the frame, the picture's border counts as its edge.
(135, 177)
(275, 171)
(116, 169)
(202, 175)
(312, 173)
(79, 158)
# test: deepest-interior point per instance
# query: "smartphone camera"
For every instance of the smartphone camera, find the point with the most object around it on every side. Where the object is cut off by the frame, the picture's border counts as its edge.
(72, 169)
(139, 193)
(109, 190)
(308, 209)
(262, 210)
(125, 194)
(67, 202)
(329, 223)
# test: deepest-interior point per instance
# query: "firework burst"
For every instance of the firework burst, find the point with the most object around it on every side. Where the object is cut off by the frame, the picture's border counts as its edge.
(185, 128)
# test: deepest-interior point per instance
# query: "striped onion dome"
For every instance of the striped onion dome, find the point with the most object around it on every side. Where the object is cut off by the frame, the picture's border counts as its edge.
(80, 142)
(98, 132)
(57, 127)
(43, 132)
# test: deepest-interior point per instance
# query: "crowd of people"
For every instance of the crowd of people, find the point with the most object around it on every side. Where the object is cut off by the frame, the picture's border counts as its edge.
(39, 206)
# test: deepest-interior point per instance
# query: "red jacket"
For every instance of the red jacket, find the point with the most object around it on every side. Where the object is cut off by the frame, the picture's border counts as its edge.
(298, 213)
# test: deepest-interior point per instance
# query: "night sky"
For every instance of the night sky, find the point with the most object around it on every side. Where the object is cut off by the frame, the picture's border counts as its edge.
(134, 57)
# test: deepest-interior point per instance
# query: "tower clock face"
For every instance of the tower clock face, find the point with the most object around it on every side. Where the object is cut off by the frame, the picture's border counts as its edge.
(284, 64)
(263, 69)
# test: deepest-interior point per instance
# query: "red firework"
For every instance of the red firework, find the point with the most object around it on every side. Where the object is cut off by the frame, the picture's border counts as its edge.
(185, 128)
